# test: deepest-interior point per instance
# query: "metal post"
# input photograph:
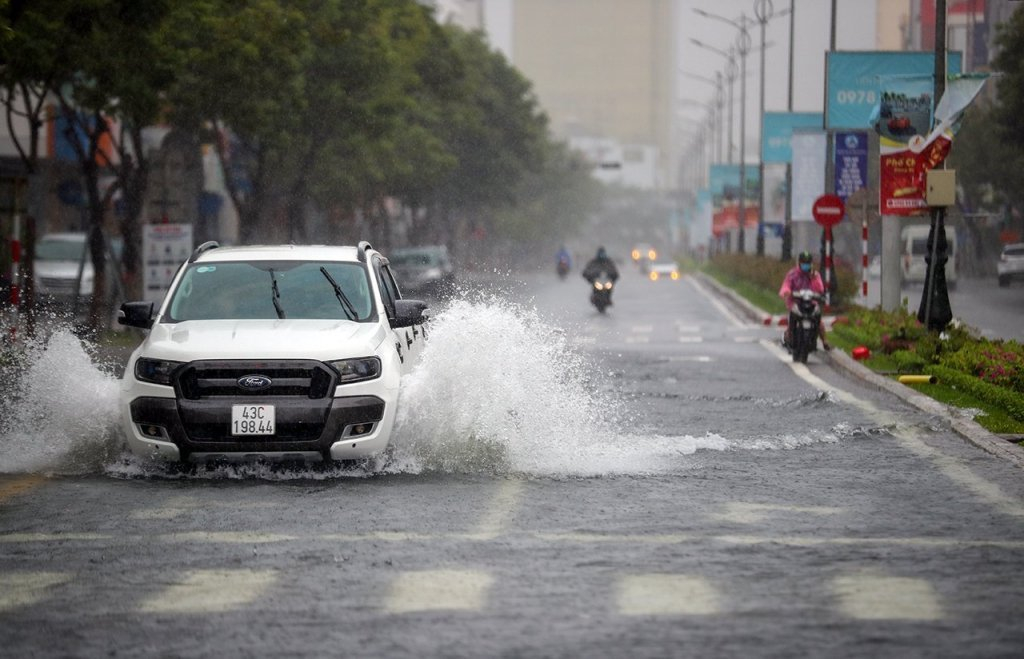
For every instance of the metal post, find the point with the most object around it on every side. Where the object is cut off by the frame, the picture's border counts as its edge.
(787, 231)
(934, 311)
(743, 47)
(763, 9)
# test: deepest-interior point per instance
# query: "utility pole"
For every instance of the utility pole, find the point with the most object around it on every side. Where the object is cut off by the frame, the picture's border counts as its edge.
(934, 311)
(787, 230)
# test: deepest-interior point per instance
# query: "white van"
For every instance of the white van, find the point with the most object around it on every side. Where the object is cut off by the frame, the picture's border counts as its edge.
(914, 243)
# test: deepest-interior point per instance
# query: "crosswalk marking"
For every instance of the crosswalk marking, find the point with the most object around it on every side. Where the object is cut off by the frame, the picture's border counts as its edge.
(19, 589)
(439, 590)
(742, 512)
(881, 597)
(666, 594)
(211, 591)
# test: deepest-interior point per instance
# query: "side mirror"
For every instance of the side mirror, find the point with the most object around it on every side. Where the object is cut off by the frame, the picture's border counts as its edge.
(136, 314)
(408, 313)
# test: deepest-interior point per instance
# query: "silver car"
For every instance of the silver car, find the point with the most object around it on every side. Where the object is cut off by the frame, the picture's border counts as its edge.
(1011, 263)
(63, 269)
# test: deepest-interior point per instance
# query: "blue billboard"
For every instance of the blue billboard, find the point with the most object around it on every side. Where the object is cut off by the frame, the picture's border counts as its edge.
(778, 131)
(853, 81)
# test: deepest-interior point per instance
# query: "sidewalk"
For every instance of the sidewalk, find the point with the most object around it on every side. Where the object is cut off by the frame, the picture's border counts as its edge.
(967, 428)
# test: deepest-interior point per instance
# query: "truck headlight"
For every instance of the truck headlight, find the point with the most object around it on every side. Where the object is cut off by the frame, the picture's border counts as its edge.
(157, 371)
(356, 370)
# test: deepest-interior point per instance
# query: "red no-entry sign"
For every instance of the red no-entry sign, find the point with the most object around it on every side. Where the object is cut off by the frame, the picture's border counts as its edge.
(828, 210)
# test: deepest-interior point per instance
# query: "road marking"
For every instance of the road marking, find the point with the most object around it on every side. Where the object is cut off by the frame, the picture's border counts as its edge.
(501, 509)
(910, 439)
(642, 329)
(691, 339)
(439, 590)
(685, 358)
(882, 597)
(666, 595)
(211, 591)
(638, 339)
(226, 537)
(687, 329)
(20, 485)
(27, 588)
(546, 536)
(171, 508)
(716, 303)
(752, 513)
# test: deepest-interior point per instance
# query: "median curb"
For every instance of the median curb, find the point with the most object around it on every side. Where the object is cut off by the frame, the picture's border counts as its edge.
(967, 428)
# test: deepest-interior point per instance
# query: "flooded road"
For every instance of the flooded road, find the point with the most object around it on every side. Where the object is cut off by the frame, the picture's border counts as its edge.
(656, 481)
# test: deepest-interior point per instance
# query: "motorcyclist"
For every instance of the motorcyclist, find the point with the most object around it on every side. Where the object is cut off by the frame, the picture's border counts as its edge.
(601, 263)
(563, 260)
(802, 276)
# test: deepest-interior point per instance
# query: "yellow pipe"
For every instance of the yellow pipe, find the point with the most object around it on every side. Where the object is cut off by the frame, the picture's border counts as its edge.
(917, 379)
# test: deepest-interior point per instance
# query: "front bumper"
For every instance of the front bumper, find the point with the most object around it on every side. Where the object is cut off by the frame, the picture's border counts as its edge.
(348, 427)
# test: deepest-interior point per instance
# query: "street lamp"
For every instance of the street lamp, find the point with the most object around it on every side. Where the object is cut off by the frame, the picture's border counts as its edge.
(716, 104)
(763, 10)
(742, 47)
(731, 72)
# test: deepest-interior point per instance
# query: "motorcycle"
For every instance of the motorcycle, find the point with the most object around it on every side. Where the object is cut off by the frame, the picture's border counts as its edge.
(804, 320)
(601, 293)
(562, 267)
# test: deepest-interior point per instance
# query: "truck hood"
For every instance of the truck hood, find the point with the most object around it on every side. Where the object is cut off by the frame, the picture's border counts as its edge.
(262, 339)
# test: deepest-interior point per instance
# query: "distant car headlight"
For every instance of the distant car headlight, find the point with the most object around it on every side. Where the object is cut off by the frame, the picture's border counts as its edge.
(157, 371)
(357, 370)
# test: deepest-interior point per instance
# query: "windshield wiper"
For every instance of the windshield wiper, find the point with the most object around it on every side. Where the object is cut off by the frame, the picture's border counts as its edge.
(346, 304)
(276, 297)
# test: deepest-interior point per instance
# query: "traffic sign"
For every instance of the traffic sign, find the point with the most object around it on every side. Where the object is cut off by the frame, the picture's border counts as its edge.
(828, 210)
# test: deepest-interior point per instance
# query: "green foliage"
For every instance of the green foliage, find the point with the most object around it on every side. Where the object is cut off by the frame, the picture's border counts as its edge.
(1012, 403)
(766, 274)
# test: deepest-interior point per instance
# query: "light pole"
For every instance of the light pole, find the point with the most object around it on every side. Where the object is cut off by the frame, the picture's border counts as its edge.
(742, 48)
(787, 231)
(763, 10)
(715, 107)
(731, 73)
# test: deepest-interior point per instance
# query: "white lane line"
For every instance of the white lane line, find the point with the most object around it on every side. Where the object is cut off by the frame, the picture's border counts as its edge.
(742, 512)
(501, 509)
(438, 590)
(716, 303)
(911, 440)
(687, 358)
(638, 339)
(172, 507)
(55, 537)
(691, 339)
(226, 537)
(882, 597)
(642, 329)
(687, 329)
(19, 589)
(666, 595)
(211, 591)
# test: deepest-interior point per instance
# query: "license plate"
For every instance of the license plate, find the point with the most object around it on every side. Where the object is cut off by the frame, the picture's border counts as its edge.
(252, 419)
(807, 324)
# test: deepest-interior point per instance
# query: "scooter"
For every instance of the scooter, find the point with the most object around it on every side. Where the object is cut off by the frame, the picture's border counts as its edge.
(804, 320)
(601, 293)
(562, 267)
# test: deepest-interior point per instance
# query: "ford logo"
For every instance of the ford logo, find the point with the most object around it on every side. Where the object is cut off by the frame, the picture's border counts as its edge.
(254, 382)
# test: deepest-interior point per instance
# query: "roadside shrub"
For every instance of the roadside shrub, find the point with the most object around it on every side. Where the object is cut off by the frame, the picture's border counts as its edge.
(1011, 402)
(1000, 363)
(908, 361)
(768, 272)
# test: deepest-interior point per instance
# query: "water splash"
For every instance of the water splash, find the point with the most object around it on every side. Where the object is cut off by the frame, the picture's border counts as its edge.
(58, 412)
(498, 391)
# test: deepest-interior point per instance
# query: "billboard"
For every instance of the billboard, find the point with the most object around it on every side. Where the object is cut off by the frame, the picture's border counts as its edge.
(778, 130)
(808, 172)
(852, 81)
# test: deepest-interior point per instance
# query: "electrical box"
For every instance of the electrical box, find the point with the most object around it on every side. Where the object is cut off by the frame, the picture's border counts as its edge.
(941, 187)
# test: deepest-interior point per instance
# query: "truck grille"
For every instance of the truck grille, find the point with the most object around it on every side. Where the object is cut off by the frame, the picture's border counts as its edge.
(219, 378)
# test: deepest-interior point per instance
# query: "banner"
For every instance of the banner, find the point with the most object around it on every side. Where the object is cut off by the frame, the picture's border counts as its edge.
(852, 81)
(777, 132)
(905, 160)
(724, 185)
(809, 149)
(851, 162)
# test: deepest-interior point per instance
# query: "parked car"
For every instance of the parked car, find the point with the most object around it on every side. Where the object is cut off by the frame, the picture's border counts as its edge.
(281, 352)
(915, 246)
(58, 259)
(425, 270)
(1011, 263)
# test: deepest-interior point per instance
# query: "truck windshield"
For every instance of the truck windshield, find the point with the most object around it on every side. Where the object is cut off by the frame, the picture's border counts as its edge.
(242, 290)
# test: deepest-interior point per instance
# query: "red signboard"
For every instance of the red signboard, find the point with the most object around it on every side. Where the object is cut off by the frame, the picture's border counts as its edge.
(828, 210)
